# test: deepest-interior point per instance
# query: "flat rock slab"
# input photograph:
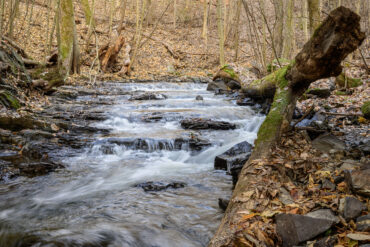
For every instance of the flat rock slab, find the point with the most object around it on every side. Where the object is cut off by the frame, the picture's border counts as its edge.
(159, 186)
(295, 229)
(203, 124)
(327, 142)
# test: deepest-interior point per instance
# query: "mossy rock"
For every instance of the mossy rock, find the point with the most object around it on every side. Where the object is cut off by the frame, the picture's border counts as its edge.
(227, 73)
(366, 110)
(274, 65)
(8, 100)
(319, 92)
(351, 82)
(51, 75)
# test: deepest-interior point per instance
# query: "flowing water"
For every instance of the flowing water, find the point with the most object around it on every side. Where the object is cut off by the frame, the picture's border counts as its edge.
(94, 200)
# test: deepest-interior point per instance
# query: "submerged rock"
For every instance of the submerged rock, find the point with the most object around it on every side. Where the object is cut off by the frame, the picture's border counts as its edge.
(148, 96)
(193, 143)
(294, 229)
(159, 186)
(223, 203)
(202, 124)
(152, 117)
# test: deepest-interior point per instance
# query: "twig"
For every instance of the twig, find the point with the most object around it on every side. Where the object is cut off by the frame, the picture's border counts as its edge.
(304, 116)
(342, 114)
(364, 60)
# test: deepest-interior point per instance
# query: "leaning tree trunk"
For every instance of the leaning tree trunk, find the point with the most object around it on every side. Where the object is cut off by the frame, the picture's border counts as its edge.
(320, 57)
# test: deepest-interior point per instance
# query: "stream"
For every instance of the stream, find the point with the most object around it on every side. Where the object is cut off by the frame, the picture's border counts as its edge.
(97, 200)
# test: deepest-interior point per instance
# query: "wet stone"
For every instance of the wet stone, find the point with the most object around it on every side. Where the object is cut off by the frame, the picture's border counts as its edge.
(149, 96)
(234, 158)
(223, 203)
(152, 117)
(37, 168)
(202, 124)
(217, 86)
(159, 186)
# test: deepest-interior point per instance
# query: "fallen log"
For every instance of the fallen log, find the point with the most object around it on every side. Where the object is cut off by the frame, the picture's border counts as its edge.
(334, 39)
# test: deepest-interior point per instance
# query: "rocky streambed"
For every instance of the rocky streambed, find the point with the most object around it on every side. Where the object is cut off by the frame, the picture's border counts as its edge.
(133, 165)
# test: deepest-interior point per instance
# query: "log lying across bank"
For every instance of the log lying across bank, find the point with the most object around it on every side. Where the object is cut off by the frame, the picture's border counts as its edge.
(321, 56)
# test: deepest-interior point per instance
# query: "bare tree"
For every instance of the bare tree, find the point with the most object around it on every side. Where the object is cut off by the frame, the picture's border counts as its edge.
(69, 54)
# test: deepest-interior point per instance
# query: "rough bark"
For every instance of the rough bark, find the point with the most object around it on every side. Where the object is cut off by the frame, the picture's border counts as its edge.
(321, 56)
(313, 14)
(279, 26)
(67, 41)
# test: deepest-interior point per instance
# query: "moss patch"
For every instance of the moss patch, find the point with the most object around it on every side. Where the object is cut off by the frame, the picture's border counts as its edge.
(267, 131)
(271, 67)
(351, 82)
(366, 109)
(9, 100)
(52, 76)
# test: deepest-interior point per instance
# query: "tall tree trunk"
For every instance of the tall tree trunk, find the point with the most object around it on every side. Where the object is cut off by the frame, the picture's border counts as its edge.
(13, 14)
(314, 14)
(236, 33)
(288, 44)
(320, 57)
(2, 8)
(304, 20)
(220, 24)
(69, 54)
(174, 13)
(205, 20)
(122, 14)
(279, 26)
(89, 18)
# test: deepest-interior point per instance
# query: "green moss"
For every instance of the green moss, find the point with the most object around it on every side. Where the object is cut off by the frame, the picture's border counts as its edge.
(316, 32)
(366, 109)
(9, 100)
(230, 71)
(340, 93)
(271, 67)
(351, 82)
(275, 117)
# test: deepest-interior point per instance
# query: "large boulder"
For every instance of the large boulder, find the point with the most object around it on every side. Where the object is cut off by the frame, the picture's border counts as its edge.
(227, 75)
(202, 124)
